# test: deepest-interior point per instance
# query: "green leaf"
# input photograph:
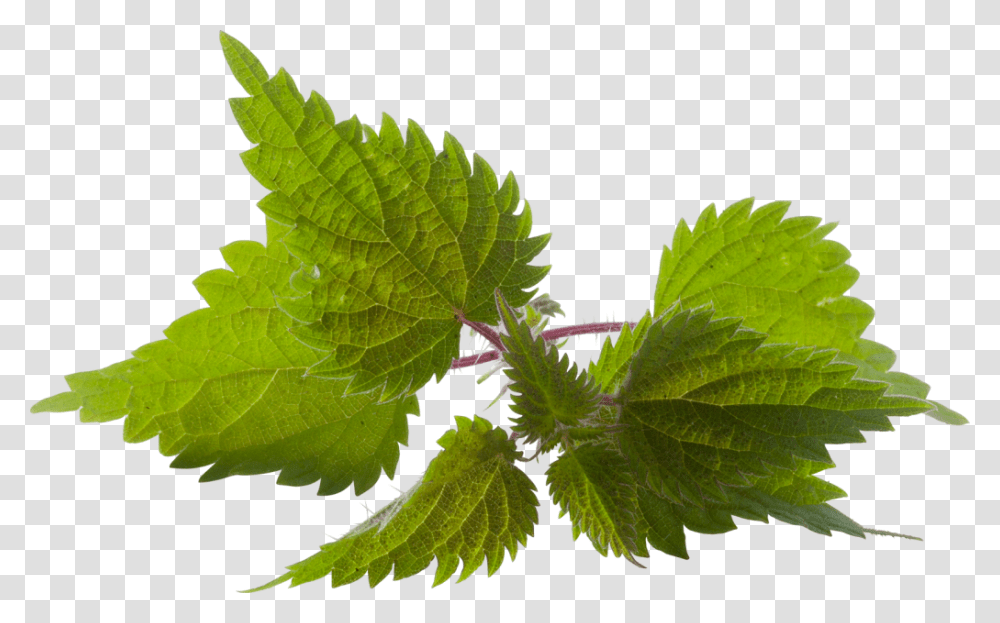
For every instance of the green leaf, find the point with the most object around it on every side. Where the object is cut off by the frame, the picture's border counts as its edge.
(395, 240)
(531, 317)
(610, 368)
(784, 279)
(709, 406)
(228, 387)
(663, 522)
(470, 504)
(613, 364)
(66, 401)
(545, 306)
(548, 395)
(592, 483)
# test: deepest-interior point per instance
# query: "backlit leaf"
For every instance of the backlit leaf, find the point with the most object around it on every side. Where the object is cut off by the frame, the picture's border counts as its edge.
(592, 483)
(229, 386)
(470, 504)
(784, 279)
(395, 240)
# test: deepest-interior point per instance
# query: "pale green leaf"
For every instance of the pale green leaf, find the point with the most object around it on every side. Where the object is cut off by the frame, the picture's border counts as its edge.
(228, 386)
(470, 504)
(785, 279)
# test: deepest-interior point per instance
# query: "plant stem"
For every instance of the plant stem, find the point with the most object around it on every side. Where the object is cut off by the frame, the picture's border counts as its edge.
(552, 334)
(482, 329)
(584, 329)
(489, 333)
(471, 360)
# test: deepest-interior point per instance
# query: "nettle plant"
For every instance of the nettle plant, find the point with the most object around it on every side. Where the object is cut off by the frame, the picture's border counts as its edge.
(717, 404)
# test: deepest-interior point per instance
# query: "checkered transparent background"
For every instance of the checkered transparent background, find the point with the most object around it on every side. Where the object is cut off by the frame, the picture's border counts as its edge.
(120, 178)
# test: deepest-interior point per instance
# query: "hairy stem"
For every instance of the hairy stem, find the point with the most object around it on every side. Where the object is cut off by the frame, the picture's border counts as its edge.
(471, 360)
(552, 334)
(482, 329)
(584, 329)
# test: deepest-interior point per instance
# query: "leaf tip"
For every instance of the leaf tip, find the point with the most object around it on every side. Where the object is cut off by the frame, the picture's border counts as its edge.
(276, 581)
(65, 401)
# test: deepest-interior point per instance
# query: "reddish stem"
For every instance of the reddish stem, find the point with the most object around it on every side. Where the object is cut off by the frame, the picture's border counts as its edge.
(471, 360)
(486, 331)
(482, 329)
(584, 329)
(552, 334)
